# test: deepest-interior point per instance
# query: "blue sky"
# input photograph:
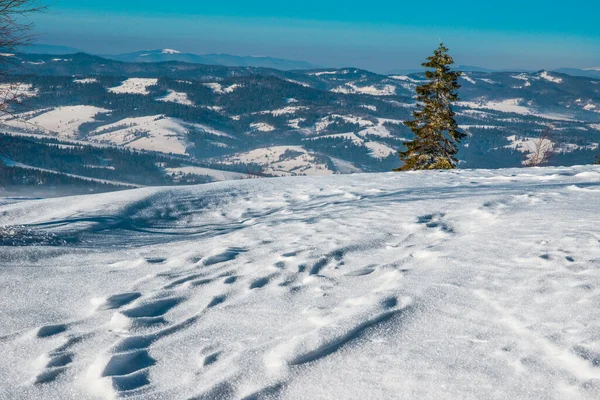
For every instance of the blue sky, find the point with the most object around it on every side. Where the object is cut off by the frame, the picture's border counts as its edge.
(378, 35)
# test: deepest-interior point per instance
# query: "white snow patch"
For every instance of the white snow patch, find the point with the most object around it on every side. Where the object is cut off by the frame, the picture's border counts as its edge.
(262, 127)
(154, 133)
(284, 111)
(545, 75)
(405, 78)
(275, 162)
(346, 136)
(379, 150)
(177, 97)
(61, 121)
(84, 81)
(218, 88)
(342, 72)
(135, 86)
(216, 174)
(298, 82)
(468, 79)
(16, 91)
(295, 123)
(324, 122)
(511, 106)
(373, 90)
(530, 145)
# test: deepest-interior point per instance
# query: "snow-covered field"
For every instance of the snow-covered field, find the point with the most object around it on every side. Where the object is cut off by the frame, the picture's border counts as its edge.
(177, 97)
(426, 285)
(135, 86)
(62, 121)
(216, 174)
(155, 133)
(282, 161)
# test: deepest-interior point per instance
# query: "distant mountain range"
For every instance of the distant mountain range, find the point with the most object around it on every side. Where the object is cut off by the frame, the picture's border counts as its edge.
(588, 72)
(47, 49)
(167, 55)
(229, 60)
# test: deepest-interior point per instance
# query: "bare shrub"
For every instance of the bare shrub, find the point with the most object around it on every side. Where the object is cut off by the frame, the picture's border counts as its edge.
(541, 149)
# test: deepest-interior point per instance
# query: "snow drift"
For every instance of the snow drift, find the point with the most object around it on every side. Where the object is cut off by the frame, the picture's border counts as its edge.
(441, 285)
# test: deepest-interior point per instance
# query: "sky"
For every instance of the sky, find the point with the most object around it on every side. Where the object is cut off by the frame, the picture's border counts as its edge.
(377, 35)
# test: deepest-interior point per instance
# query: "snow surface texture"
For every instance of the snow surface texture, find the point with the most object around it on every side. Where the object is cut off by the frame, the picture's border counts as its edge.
(426, 285)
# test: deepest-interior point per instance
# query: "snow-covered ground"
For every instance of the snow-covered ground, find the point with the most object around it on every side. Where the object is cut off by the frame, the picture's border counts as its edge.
(177, 97)
(379, 90)
(425, 285)
(282, 161)
(155, 133)
(62, 121)
(218, 88)
(216, 174)
(516, 106)
(135, 86)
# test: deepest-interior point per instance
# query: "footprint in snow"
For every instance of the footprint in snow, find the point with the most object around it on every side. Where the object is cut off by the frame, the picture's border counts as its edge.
(54, 363)
(119, 300)
(259, 283)
(228, 255)
(153, 309)
(51, 330)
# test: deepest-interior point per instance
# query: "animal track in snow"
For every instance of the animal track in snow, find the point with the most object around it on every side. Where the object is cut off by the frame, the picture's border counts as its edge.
(361, 272)
(50, 330)
(336, 255)
(152, 309)
(211, 359)
(435, 221)
(260, 282)
(200, 282)
(334, 344)
(156, 260)
(228, 255)
(183, 280)
(54, 363)
(119, 300)
(216, 301)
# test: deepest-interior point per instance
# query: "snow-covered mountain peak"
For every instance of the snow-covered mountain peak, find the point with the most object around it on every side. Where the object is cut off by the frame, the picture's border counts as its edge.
(170, 51)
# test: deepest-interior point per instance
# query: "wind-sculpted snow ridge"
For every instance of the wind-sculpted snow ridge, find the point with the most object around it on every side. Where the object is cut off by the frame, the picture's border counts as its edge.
(426, 285)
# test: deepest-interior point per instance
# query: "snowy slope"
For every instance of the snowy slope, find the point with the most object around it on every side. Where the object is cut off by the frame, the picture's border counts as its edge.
(426, 285)
(282, 161)
(216, 174)
(62, 121)
(155, 132)
(177, 97)
(135, 86)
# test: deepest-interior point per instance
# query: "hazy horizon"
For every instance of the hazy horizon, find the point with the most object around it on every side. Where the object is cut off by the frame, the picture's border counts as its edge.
(383, 37)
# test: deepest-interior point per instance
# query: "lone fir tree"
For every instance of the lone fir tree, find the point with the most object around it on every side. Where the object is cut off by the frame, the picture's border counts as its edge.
(436, 131)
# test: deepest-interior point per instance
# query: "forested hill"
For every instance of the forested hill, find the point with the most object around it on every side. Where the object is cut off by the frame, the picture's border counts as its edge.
(230, 122)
